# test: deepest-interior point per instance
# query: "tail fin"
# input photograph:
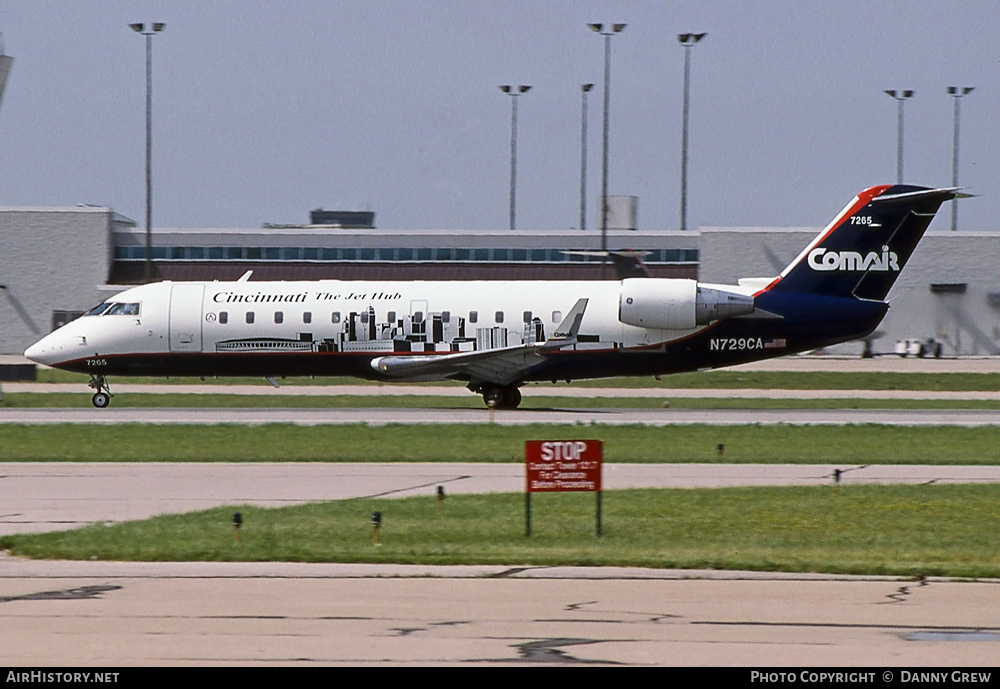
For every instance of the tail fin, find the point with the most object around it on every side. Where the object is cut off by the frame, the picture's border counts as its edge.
(862, 251)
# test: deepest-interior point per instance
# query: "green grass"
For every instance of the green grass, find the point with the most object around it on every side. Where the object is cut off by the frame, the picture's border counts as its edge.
(786, 380)
(843, 445)
(942, 530)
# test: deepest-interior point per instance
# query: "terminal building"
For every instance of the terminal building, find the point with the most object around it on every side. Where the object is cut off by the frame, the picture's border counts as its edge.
(59, 262)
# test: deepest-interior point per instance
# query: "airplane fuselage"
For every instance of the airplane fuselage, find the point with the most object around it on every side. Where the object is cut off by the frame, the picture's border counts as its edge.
(331, 328)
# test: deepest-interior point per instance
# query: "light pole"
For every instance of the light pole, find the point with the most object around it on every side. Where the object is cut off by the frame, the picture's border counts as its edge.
(612, 30)
(584, 90)
(688, 40)
(900, 97)
(513, 92)
(956, 92)
(149, 30)
(5, 64)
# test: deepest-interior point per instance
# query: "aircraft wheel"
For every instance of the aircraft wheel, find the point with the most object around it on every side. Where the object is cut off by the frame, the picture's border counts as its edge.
(494, 397)
(497, 397)
(101, 400)
(512, 398)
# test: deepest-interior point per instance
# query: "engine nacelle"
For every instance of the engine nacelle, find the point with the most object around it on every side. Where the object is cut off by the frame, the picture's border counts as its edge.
(677, 304)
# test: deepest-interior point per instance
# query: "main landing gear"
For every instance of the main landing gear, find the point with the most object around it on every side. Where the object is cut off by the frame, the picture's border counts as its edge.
(499, 396)
(102, 397)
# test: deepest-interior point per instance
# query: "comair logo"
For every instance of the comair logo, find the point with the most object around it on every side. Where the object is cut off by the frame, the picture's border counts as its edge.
(821, 259)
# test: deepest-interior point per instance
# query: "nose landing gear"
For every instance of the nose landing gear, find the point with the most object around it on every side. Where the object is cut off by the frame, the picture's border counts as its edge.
(102, 397)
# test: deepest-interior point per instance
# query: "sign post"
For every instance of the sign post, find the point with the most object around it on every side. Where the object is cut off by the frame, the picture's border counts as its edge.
(560, 466)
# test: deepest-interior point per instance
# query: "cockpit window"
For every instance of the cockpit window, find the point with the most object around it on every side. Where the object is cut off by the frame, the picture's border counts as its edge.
(123, 310)
(99, 309)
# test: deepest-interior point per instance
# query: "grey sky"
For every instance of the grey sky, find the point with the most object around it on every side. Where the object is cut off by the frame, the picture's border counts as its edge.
(265, 110)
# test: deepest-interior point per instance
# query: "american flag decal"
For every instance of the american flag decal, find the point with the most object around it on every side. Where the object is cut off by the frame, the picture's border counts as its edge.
(776, 343)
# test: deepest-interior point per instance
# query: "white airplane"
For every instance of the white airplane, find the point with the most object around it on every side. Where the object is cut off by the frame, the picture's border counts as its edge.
(496, 336)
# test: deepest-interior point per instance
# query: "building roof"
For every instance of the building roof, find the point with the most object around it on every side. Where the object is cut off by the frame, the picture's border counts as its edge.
(131, 272)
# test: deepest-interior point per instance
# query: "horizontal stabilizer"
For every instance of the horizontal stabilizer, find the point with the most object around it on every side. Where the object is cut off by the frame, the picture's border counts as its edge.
(627, 262)
(943, 194)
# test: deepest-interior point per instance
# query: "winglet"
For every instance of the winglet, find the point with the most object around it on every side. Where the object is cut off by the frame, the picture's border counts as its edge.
(570, 326)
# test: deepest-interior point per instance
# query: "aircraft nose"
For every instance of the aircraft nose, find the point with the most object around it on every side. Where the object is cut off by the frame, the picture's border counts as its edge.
(44, 352)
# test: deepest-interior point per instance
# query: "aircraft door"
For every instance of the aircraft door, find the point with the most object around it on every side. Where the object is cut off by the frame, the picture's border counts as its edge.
(185, 316)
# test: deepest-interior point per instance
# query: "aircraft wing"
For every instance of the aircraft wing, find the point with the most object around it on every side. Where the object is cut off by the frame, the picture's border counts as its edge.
(501, 366)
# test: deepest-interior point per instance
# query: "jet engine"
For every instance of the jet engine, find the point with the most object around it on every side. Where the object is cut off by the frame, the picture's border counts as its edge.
(677, 304)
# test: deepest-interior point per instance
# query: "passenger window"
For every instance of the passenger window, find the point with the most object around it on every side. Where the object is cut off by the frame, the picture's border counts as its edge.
(391, 316)
(223, 317)
(473, 316)
(556, 316)
(249, 316)
(279, 317)
(307, 317)
(446, 316)
(335, 318)
(364, 317)
(527, 316)
(499, 317)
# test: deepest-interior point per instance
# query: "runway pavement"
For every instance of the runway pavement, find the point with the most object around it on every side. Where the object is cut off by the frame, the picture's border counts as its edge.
(118, 615)
(378, 416)
(529, 392)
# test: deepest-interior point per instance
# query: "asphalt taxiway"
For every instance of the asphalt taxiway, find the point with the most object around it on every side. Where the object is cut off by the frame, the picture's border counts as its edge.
(71, 614)
(378, 416)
